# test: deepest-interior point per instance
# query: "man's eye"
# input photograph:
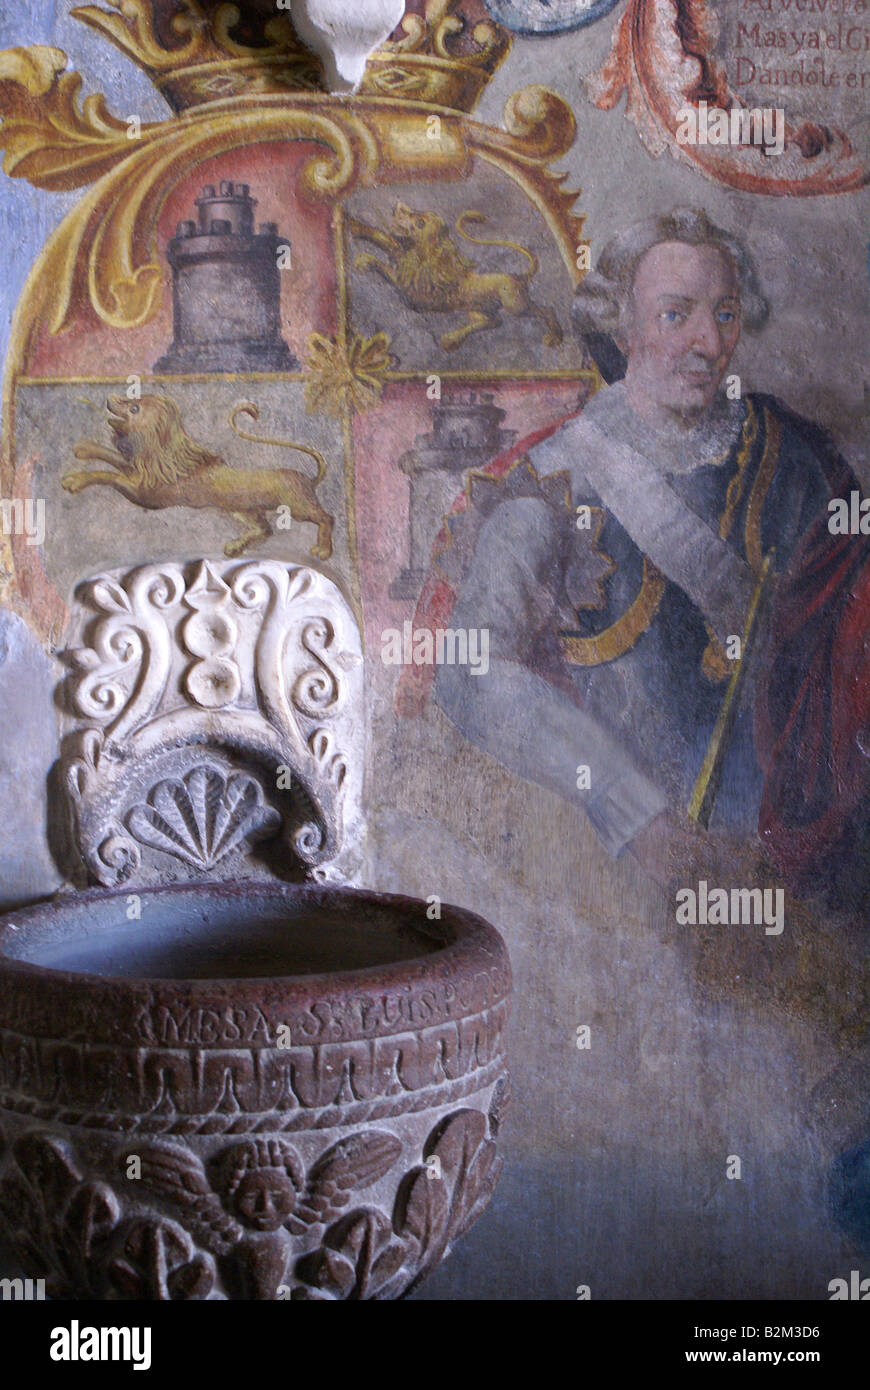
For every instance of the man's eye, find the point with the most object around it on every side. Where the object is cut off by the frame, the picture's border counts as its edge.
(726, 316)
(673, 316)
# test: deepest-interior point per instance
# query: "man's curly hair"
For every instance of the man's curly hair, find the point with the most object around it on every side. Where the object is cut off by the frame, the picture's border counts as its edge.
(603, 301)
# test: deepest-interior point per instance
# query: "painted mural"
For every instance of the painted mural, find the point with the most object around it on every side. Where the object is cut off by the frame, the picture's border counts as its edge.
(545, 346)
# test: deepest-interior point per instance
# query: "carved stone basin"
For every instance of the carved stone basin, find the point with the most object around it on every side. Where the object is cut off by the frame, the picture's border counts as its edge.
(246, 1090)
(228, 1072)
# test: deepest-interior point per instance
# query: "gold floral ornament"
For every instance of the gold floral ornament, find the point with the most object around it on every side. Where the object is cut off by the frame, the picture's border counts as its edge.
(343, 374)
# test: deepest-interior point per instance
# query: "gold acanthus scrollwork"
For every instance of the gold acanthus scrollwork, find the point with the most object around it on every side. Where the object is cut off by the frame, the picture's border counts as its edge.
(539, 128)
(49, 138)
(105, 247)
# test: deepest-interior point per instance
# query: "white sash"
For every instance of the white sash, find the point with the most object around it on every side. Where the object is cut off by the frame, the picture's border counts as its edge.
(677, 541)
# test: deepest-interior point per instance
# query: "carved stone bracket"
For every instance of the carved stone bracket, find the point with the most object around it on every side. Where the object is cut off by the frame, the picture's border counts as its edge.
(212, 707)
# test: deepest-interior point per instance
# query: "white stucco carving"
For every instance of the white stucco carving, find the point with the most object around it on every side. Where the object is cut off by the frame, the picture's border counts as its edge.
(209, 708)
(343, 33)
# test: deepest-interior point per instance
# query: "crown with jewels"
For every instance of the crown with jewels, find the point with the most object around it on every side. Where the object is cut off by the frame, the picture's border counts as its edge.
(197, 51)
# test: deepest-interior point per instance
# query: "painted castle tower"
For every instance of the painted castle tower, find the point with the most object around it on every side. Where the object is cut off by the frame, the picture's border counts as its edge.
(226, 289)
(466, 433)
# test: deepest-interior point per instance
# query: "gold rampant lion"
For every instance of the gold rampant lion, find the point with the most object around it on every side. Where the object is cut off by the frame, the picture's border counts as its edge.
(431, 273)
(159, 465)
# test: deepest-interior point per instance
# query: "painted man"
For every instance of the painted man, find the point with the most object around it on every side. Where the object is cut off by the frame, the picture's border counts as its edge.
(619, 561)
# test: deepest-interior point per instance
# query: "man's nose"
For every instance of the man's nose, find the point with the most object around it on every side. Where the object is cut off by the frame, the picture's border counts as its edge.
(705, 336)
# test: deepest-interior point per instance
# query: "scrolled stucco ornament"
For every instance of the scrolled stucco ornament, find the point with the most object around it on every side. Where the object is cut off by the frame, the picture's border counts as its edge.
(343, 34)
(211, 706)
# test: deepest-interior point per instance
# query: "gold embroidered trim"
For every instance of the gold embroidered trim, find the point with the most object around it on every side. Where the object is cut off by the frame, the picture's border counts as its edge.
(763, 479)
(621, 636)
(735, 487)
(715, 663)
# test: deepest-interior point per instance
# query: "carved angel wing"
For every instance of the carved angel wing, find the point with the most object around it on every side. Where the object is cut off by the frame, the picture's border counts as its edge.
(343, 1171)
(179, 1176)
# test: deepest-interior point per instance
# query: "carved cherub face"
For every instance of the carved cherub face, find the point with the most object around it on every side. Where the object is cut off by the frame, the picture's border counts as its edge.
(261, 1183)
(683, 328)
(265, 1198)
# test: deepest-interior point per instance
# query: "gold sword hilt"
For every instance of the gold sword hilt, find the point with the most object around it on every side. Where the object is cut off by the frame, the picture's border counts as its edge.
(707, 786)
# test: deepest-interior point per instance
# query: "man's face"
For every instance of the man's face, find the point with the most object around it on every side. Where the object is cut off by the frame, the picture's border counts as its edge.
(683, 329)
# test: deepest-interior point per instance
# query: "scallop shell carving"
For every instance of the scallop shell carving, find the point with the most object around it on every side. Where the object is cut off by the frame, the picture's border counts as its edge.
(203, 816)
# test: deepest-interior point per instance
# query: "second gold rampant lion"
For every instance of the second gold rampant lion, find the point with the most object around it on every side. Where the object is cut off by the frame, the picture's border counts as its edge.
(159, 465)
(431, 273)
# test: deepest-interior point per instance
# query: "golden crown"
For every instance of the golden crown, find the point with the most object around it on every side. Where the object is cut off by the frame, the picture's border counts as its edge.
(197, 51)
